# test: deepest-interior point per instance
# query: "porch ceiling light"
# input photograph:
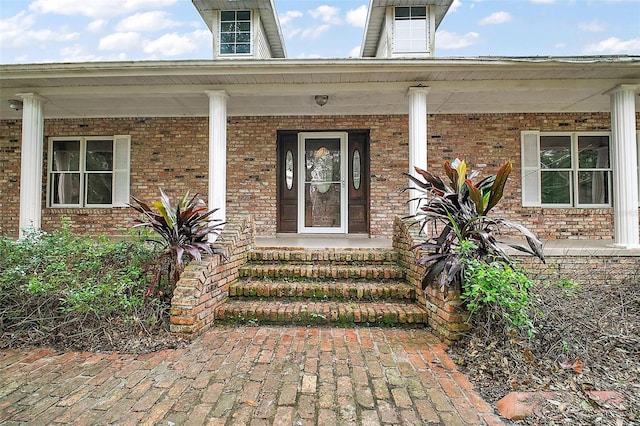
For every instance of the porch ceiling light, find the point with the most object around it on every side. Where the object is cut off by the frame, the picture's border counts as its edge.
(321, 100)
(15, 104)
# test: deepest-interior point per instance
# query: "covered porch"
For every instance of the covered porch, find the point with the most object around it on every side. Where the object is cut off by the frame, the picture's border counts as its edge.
(419, 90)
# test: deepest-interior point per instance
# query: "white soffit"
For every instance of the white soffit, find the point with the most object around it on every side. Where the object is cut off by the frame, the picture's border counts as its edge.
(287, 87)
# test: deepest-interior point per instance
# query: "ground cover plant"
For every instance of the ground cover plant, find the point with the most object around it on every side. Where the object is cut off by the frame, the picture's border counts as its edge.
(528, 334)
(97, 294)
(80, 292)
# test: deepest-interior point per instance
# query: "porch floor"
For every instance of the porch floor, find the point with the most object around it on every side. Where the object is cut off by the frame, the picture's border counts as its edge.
(561, 247)
(323, 241)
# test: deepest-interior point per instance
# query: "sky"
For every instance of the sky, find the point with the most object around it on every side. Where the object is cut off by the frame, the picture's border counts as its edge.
(37, 31)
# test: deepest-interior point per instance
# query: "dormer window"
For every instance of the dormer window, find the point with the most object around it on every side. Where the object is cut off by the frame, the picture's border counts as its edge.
(235, 32)
(410, 30)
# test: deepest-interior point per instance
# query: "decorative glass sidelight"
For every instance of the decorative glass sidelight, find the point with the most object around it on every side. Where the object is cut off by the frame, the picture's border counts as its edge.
(356, 169)
(289, 169)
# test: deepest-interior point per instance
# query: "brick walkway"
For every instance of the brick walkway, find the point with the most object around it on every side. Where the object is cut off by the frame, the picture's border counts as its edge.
(248, 375)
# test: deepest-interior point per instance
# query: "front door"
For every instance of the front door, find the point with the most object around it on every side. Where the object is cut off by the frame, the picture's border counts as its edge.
(321, 186)
(323, 182)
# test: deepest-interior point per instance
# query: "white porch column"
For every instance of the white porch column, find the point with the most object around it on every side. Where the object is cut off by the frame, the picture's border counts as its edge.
(31, 161)
(417, 136)
(218, 152)
(624, 165)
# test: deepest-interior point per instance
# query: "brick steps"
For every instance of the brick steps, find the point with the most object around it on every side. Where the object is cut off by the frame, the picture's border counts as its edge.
(323, 290)
(336, 256)
(315, 287)
(329, 271)
(318, 313)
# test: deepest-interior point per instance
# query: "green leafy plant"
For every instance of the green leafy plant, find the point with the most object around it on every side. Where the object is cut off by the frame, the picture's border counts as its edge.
(62, 285)
(500, 289)
(183, 230)
(458, 212)
(463, 250)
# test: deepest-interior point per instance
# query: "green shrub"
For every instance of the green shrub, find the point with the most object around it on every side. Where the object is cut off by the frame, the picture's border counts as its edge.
(501, 291)
(58, 276)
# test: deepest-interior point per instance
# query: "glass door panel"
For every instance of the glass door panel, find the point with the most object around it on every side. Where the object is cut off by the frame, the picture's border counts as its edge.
(324, 204)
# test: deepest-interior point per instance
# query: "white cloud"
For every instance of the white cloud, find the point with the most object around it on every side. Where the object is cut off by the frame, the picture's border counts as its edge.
(543, 1)
(447, 40)
(355, 52)
(357, 17)
(496, 18)
(313, 33)
(78, 53)
(120, 41)
(614, 45)
(328, 14)
(289, 16)
(591, 27)
(455, 5)
(17, 22)
(96, 8)
(166, 46)
(173, 44)
(146, 21)
(290, 33)
(308, 56)
(17, 32)
(97, 25)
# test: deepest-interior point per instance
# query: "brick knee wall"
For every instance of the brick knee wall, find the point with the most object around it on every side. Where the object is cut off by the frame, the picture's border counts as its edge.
(584, 269)
(204, 285)
(447, 317)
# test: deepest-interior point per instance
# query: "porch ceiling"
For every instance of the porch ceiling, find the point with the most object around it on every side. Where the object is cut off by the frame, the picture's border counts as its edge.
(287, 87)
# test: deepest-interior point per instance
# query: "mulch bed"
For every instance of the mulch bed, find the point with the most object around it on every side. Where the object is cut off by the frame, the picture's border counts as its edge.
(588, 339)
(91, 333)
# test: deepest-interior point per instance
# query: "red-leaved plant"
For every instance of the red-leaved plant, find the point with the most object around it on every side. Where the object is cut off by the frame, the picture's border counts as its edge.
(183, 229)
(458, 211)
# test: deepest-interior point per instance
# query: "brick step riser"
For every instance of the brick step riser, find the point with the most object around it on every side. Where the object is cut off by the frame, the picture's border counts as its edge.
(320, 272)
(323, 257)
(321, 314)
(390, 292)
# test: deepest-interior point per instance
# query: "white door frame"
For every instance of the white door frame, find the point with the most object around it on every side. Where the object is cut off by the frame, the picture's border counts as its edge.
(344, 169)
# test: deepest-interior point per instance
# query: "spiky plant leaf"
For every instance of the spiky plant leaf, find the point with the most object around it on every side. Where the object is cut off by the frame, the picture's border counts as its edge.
(476, 196)
(459, 213)
(184, 229)
(497, 188)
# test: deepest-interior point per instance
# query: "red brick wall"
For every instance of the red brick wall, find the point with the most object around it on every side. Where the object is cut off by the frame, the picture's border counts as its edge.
(10, 140)
(486, 141)
(168, 153)
(251, 164)
(171, 153)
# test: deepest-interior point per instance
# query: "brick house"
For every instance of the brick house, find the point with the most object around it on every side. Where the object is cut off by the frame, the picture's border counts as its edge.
(318, 146)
